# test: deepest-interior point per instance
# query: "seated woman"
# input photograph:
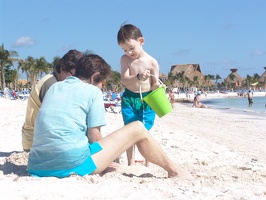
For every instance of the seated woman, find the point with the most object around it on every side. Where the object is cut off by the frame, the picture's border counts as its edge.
(67, 136)
(197, 104)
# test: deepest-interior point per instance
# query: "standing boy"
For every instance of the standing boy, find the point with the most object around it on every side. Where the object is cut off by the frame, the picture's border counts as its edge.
(137, 66)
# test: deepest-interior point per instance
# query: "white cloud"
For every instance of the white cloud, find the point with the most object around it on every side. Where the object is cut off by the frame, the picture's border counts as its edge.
(24, 41)
(257, 53)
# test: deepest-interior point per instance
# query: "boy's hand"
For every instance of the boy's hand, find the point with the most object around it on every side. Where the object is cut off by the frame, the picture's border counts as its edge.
(145, 75)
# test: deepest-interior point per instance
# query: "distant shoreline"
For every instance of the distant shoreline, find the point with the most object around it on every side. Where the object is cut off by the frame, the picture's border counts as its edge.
(182, 97)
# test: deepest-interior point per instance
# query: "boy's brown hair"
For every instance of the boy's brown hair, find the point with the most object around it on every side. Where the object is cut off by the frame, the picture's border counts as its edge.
(127, 32)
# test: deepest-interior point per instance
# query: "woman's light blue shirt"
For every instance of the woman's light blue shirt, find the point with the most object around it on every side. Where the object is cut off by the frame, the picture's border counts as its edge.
(69, 108)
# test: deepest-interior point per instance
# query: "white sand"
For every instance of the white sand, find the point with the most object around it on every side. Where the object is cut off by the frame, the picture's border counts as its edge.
(225, 152)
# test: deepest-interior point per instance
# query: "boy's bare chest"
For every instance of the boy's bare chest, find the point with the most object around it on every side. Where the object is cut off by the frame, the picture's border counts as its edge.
(139, 66)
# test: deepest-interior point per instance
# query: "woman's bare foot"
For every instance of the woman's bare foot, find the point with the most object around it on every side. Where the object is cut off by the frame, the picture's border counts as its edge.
(179, 172)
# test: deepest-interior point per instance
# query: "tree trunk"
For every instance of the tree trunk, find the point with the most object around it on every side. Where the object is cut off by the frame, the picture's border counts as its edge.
(3, 82)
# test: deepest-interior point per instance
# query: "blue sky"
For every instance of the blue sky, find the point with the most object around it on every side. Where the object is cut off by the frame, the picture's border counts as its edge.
(217, 34)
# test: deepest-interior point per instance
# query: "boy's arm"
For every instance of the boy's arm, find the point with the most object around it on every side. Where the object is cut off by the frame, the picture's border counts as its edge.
(128, 77)
(155, 71)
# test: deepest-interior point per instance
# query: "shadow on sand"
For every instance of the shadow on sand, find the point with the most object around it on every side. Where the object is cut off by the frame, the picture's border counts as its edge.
(15, 163)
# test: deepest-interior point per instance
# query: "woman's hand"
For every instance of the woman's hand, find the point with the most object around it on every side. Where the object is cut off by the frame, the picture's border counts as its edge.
(112, 167)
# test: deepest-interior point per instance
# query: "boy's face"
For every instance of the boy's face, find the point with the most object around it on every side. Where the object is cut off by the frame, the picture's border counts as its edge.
(132, 48)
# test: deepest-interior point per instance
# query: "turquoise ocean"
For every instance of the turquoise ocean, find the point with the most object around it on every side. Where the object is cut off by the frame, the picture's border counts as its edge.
(237, 105)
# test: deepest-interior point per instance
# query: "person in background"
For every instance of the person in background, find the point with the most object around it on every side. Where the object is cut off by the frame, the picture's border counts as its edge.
(69, 141)
(139, 73)
(250, 102)
(197, 103)
(65, 67)
(171, 97)
(6, 92)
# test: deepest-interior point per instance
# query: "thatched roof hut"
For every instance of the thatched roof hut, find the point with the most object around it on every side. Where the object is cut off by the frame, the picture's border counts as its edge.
(162, 75)
(237, 79)
(263, 77)
(190, 70)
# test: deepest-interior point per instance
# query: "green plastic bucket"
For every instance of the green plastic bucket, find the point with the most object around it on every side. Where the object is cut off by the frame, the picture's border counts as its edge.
(158, 101)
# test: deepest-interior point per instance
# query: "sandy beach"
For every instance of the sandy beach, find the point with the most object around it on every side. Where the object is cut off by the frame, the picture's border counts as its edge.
(226, 153)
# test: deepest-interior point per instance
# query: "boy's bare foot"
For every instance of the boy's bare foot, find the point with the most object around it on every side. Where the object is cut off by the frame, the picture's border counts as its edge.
(147, 164)
(131, 162)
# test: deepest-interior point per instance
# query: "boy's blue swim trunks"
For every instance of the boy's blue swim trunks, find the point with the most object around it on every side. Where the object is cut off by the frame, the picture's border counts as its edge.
(134, 109)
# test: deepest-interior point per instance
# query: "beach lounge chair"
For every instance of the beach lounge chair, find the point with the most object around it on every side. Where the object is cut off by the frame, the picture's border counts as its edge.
(110, 105)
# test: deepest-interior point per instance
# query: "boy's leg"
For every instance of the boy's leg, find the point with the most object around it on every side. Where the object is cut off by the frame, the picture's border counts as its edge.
(131, 155)
(129, 116)
(147, 163)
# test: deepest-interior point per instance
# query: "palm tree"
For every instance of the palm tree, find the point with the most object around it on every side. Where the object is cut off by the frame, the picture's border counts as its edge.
(209, 77)
(196, 81)
(27, 66)
(255, 78)
(206, 81)
(232, 78)
(22, 66)
(11, 77)
(181, 78)
(42, 66)
(264, 82)
(226, 84)
(5, 59)
(55, 61)
(170, 80)
(15, 77)
(216, 78)
(34, 68)
(114, 81)
(189, 82)
(248, 80)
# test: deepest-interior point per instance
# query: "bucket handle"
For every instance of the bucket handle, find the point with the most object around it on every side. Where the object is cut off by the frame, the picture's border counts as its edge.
(141, 84)
(157, 79)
